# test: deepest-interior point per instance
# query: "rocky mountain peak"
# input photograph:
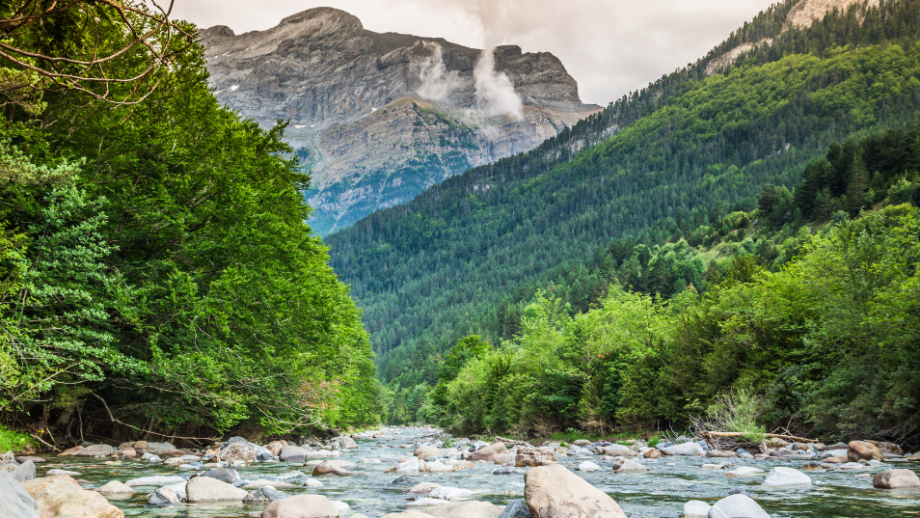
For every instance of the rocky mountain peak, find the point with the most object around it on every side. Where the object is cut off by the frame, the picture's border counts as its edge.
(330, 17)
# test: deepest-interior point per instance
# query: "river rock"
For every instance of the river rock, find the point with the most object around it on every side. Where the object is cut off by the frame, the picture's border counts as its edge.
(425, 502)
(36, 460)
(781, 476)
(150, 457)
(489, 453)
(61, 472)
(743, 471)
(737, 506)
(449, 493)
(406, 481)
(114, 486)
(157, 480)
(629, 466)
(423, 488)
(265, 495)
(613, 449)
(223, 474)
(70, 452)
(207, 489)
(157, 448)
(465, 510)
(275, 447)
(653, 453)
(834, 453)
(15, 501)
(505, 470)
(896, 479)
(344, 464)
(239, 449)
(96, 450)
(293, 454)
(301, 506)
(588, 467)
(125, 453)
(695, 509)
(343, 442)
(556, 492)
(862, 450)
(25, 471)
(328, 468)
(141, 447)
(516, 509)
(425, 452)
(887, 447)
(164, 496)
(438, 467)
(725, 454)
(531, 457)
(685, 449)
(62, 497)
(312, 482)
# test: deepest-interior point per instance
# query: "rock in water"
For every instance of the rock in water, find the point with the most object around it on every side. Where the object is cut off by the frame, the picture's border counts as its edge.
(406, 481)
(786, 477)
(207, 489)
(449, 493)
(328, 468)
(737, 506)
(114, 487)
(424, 488)
(629, 466)
(743, 471)
(25, 471)
(265, 495)
(343, 442)
(96, 450)
(685, 449)
(15, 501)
(293, 454)
(489, 453)
(896, 479)
(695, 509)
(588, 466)
(532, 457)
(860, 450)
(223, 474)
(555, 492)
(301, 506)
(516, 509)
(164, 496)
(62, 497)
(465, 510)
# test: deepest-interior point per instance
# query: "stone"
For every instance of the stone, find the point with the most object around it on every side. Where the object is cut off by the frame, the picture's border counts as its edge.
(743, 471)
(114, 486)
(834, 453)
(588, 467)
(424, 452)
(737, 506)
(328, 468)
(157, 448)
(25, 471)
(505, 470)
(653, 453)
(862, 450)
(516, 509)
(36, 460)
(449, 493)
(896, 479)
(312, 482)
(629, 466)
(725, 454)
(530, 457)
(322, 454)
(15, 501)
(126, 453)
(340, 506)
(265, 495)
(70, 452)
(425, 502)
(207, 489)
(781, 476)
(423, 488)
(61, 472)
(275, 447)
(156, 480)
(62, 497)
(854, 466)
(149, 457)
(258, 484)
(582, 442)
(695, 509)
(343, 442)
(96, 450)
(613, 449)
(685, 449)
(556, 492)
(301, 506)
(164, 496)
(488, 453)
(405, 481)
(223, 474)
(125, 445)
(292, 454)
(887, 447)
(465, 510)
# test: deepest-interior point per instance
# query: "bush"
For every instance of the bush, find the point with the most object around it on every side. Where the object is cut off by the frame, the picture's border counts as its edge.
(14, 441)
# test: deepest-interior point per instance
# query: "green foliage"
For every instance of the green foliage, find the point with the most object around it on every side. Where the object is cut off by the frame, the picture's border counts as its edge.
(738, 412)
(11, 440)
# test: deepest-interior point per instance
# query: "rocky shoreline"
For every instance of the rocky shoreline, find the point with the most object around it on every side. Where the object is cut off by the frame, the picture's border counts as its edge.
(555, 476)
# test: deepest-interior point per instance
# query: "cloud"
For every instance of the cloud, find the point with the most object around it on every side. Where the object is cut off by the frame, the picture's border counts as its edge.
(495, 93)
(437, 83)
(610, 47)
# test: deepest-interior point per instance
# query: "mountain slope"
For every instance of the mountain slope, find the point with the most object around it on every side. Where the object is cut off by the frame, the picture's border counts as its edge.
(440, 267)
(349, 94)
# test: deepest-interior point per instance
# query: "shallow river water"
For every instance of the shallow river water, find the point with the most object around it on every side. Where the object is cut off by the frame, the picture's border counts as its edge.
(658, 494)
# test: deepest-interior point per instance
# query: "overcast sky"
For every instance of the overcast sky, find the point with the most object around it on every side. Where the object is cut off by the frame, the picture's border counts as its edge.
(609, 46)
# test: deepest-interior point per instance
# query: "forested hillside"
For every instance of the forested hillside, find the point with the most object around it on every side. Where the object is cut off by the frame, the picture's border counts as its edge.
(467, 256)
(156, 269)
(802, 312)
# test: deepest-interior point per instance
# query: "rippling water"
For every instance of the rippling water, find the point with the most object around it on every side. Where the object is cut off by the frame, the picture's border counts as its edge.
(659, 494)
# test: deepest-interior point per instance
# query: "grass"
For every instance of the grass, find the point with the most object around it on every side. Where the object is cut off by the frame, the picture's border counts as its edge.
(13, 441)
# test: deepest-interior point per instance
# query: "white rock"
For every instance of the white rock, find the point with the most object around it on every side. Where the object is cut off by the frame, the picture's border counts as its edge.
(588, 467)
(786, 477)
(424, 502)
(62, 472)
(688, 448)
(340, 506)
(743, 471)
(851, 466)
(312, 482)
(449, 493)
(737, 506)
(696, 509)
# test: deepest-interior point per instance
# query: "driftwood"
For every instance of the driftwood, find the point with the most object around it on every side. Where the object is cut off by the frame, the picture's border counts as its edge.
(710, 435)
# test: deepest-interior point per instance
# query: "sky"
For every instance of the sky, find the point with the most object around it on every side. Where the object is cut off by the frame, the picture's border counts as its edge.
(611, 47)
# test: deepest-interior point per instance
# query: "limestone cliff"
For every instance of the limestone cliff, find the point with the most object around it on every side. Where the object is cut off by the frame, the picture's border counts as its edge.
(383, 115)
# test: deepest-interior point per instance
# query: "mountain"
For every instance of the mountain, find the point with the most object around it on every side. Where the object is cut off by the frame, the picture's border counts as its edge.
(466, 256)
(380, 117)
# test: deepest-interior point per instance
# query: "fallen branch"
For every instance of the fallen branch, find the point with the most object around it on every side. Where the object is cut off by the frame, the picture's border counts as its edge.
(53, 448)
(710, 435)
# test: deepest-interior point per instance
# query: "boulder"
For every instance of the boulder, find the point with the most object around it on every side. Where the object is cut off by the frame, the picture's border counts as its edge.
(293, 454)
(70, 452)
(406, 481)
(36, 460)
(613, 449)
(157, 448)
(265, 495)
(465, 510)
(588, 467)
(531, 457)
(516, 509)
(344, 464)
(301, 506)
(505, 470)
(275, 447)
(328, 468)
(425, 452)
(114, 487)
(164, 496)
(424, 488)
(887, 447)
(60, 472)
(862, 450)
(96, 450)
(489, 453)
(724, 454)
(25, 471)
(15, 501)
(141, 447)
(629, 466)
(896, 479)
(556, 492)
(62, 497)
(737, 506)
(223, 474)
(743, 471)
(695, 509)
(207, 489)
(685, 449)
(126, 453)
(786, 477)
(653, 453)
(156, 480)
(343, 442)
(449, 493)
